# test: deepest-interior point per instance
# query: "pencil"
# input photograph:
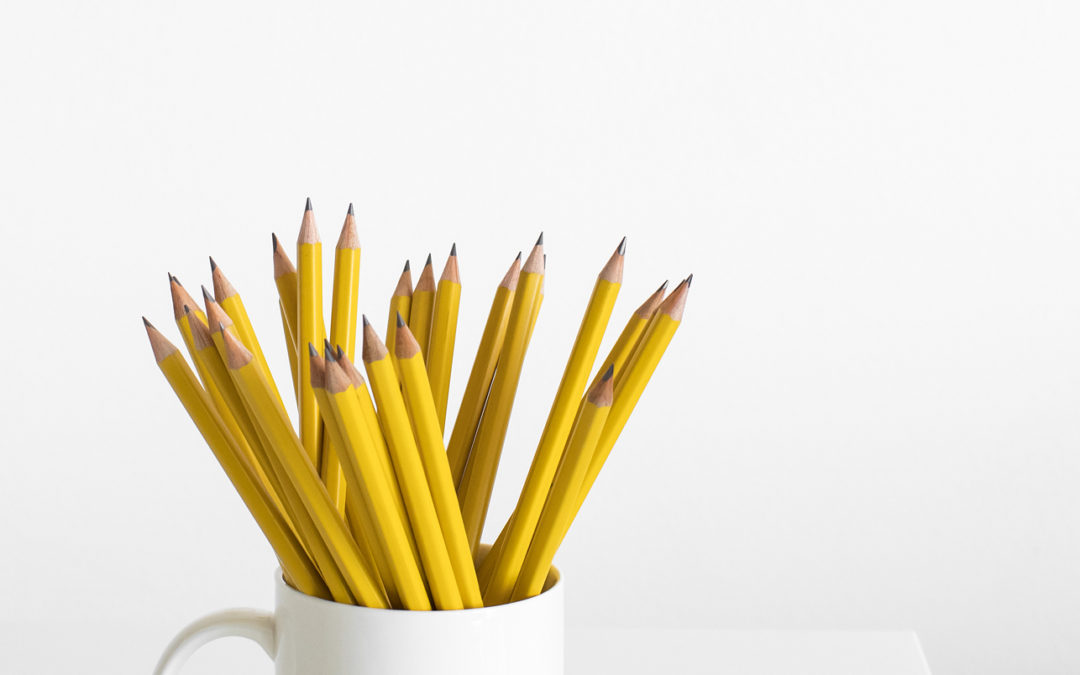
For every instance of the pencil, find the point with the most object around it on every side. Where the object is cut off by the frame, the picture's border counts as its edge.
(225, 294)
(423, 304)
(440, 351)
(556, 430)
(342, 332)
(559, 508)
(429, 440)
(297, 567)
(367, 481)
(483, 370)
(360, 520)
(474, 492)
(410, 472)
(632, 332)
(400, 303)
(654, 342)
(330, 529)
(310, 326)
(285, 279)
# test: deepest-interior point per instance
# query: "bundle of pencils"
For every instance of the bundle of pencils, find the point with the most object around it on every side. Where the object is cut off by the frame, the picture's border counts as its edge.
(363, 502)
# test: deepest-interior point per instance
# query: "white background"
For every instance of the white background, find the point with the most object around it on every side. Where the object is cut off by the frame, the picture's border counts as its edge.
(867, 420)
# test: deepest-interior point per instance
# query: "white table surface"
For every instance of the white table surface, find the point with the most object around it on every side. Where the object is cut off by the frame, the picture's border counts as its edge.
(721, 652)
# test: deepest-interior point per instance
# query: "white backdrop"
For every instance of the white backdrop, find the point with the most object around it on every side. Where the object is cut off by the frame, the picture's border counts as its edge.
(868, 419)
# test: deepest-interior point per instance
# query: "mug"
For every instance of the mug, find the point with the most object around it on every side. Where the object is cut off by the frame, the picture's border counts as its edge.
(311, 636)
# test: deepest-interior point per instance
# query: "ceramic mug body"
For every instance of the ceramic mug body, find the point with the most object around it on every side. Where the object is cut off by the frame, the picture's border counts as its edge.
(309, 636)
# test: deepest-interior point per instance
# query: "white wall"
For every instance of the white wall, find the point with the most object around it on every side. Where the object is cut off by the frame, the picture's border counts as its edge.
(867, 420)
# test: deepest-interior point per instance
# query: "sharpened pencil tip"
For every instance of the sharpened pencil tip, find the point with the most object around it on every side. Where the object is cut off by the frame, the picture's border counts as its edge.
(273, 238)
(340, 353)
(147, 323)
(622, 246)
(540, 240)
(206, 294)
(428, 261)
(518, 258)
(407, 267)
(363, 318)
(307, 206)
(351, 213)
(311, 350)
(453, 249)
(213, 265)
(328, 351)
(221, 327)
(663, 287)
(400, 321)
(689, 280)
(609, 373)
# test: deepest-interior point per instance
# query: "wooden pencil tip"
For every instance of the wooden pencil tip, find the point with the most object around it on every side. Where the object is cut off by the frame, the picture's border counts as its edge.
(273, 239)
(540, 240)
(406, 268)
(307, 206)
(602, 394)
(613, 268)
(340, 353)
(608, 373)
(663, 286)
(427, 263)
(328, 350)
(518, 258)
(213, 265)
(147, 324)
(622, 246)
(453, 249)
(351, 213)
(689, 280)
(363, 318)
(236, 354)
(405, 344)
(400, 321)
(158, 343)
(311, 350)
(206, 294)
(374, 348)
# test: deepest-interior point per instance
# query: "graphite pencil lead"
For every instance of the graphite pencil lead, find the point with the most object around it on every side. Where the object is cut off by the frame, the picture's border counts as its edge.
(608, 373)
(622, 246)
(428, 261)
(328, 350)
(273, 239)
(406, 268)
(213, 265)
(453, 249)
(540, 240)
(400, 321)
(146, 323)
(307, 206)
(206, 294)
(363, 319)
(689, 280)
(518, 256)
(351, 209)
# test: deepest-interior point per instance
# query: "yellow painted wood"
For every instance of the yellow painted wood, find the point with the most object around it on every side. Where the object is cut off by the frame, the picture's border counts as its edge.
(440, 351)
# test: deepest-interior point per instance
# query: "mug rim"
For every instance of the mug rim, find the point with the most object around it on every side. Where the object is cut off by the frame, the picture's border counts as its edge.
(554, 576)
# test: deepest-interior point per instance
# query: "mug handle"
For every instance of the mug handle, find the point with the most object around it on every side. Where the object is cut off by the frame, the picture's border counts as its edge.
(248, 623)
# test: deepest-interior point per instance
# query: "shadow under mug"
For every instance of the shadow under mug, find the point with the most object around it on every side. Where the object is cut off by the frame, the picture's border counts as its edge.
(310, 636)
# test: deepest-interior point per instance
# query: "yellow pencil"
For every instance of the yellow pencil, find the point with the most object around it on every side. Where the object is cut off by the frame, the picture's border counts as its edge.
(632, 332)
(297, 567)
(474, 493)
(285, 279)
(225, 294)
(483, 370)
(361, 520)
(440, 351)
(627, 392)
(310, 326)
(559, 508)
(400, 303)
(361, 581)
(342, 332)
(560, 419)
(369, 421)
(428, 435)
(410, 472)
(423, 304)
(367, 481)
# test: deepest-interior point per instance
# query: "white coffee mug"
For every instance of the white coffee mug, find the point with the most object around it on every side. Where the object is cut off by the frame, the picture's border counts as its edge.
(309, 636)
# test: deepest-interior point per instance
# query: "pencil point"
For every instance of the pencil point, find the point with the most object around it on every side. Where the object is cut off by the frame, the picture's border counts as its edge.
(351, 209)
(406, 267)
(213, 265)
(206, 294)
(453, 249)
(608, 373)
(428, 261)
(689, 280)
(518, 258)
(221, 327)
(622, 246)
(340, 353)
(400, 321)
(146, 323)
(328, 351)
(273, 238)
(307, 206)
(363, 318)
(663, 286)
(540, 240)
(311, 350)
